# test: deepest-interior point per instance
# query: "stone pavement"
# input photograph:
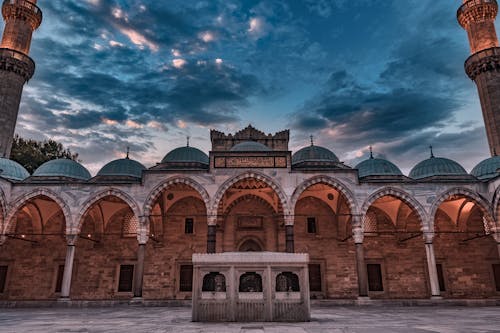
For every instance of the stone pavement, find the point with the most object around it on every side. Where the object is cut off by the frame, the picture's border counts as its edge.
(371, 319)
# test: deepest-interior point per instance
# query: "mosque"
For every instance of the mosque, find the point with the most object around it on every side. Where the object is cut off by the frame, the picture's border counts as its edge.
(130, 231)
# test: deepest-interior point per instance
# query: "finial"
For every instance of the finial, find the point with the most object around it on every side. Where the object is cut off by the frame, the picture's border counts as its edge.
(432, 153)
(188, 140)
(128, 152)
(371, 153)
(312, 140)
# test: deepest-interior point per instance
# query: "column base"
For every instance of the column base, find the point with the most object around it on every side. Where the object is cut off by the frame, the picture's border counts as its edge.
(64, 299)
(136, 300)
(436, 297)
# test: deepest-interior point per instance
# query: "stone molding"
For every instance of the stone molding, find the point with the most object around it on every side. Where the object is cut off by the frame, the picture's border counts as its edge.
(17, 62)
(477, 11)
(22, 10)
(483, 62)
(228, 258)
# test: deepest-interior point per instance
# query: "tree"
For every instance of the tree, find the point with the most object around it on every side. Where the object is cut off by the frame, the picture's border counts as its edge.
(31, 153)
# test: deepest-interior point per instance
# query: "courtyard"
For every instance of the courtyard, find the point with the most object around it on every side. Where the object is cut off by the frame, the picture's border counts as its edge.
(349, 319)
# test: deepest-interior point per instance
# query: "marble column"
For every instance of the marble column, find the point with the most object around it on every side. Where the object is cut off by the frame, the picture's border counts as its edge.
(431, 264)
(142, 239)
(68, 266)
(289, 239)
(211, 238)
(358, 236)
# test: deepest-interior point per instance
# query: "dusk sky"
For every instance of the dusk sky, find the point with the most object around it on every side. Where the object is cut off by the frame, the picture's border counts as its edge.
(147, 74)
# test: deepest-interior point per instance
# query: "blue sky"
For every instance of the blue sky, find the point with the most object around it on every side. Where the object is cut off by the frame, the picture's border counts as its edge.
(147, 74)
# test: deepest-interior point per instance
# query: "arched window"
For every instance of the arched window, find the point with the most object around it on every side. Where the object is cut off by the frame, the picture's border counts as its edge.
(214, 281)
(287, 281)
(250, 282)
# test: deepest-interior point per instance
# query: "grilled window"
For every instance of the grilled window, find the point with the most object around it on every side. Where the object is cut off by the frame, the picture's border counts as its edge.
(125, 282)
(59, 278)
(3, 278)
(374, 277)
(186, 278)
(439, 268)
(311, 225)
(188, 226)
(496, 273)
(314, 277)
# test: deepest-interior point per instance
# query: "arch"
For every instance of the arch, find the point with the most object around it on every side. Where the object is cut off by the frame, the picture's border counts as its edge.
(3, 209)
(255, 175)
(101, 195)
(496, 210)
(478, 200)
(243, 197)
(250, 244)
(155, 193)
(23, 199)
(336, 184)
(399, 194)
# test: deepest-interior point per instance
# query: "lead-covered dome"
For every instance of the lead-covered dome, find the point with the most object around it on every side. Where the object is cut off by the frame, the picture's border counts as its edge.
(437, 166)
(314, 154)
(12, 170)
(186, 155)
(62, 168)
(250, 146)
(488, 168)
(377, 167)
(122, 167)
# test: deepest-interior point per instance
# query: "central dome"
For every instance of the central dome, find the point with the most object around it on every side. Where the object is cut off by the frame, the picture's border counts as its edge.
(314, 154)
(186, 155)
(62, 168)
(250, 146)
(437, 166)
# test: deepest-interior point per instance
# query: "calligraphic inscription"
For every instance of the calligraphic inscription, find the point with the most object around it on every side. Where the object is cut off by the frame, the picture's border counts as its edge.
(250, 222)
(280, 162)
(249, 162)
(220, 162)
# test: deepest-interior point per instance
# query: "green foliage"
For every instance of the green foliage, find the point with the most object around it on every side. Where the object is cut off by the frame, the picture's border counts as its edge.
(31, 153)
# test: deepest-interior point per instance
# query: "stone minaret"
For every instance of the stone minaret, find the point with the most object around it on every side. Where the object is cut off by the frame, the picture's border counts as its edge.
(477, 17)
(16, 67)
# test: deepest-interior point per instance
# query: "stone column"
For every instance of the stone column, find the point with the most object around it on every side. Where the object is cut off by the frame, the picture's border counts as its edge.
(289, 239)
(358, 236)
(431, 265)
(142, 238)
(68, 266)
(211, 238)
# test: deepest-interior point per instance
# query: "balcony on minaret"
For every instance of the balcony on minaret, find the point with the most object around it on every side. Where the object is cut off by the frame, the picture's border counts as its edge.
(21, 17)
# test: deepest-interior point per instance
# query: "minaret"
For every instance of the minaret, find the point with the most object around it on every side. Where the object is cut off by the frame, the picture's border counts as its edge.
(16, 67)
(477, 17)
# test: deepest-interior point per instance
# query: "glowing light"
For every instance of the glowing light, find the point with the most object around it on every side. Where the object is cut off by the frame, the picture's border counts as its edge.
(89, 236)
(23, 236)
(179, 63)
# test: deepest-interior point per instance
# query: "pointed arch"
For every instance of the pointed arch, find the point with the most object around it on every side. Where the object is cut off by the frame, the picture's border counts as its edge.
(20, 201)
(399, 194)
(496, 207)
(483, 204)
(252, 175)
(323, 179)
(155, 193)
(99, 196)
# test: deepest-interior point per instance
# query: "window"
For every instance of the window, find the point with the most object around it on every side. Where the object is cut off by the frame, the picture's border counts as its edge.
(250, 282)
(59, 278)
(214, 281)
(374, 277)
(125, 281)
(188, 226)
(439, 268)
(314, 277)
(186, 278)
(3, 278)
(287, 281)
(311, 225)
(496, 273)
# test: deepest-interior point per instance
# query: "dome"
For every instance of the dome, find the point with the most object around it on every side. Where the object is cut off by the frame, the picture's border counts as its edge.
(62, 168)
(12, 170)
(250, 146)
(314, 153)
(186, 154)
(436, 166)
(487, 168)
(377, 167)
(122, 167)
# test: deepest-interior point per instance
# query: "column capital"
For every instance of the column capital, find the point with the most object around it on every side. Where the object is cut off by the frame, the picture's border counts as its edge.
(289, 220)
(212, 220)
(71, 239)
(428, 236)
(142, 238)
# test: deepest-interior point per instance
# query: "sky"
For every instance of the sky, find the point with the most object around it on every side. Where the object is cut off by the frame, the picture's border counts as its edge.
(146, 74)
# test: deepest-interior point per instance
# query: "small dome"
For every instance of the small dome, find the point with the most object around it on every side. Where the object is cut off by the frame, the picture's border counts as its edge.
(122, 167)
(250, 146)
(314, 153)
(12, 170)
(437, 166)
(62, 168)
(185, 155)
(377, 167)
(487, 168)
